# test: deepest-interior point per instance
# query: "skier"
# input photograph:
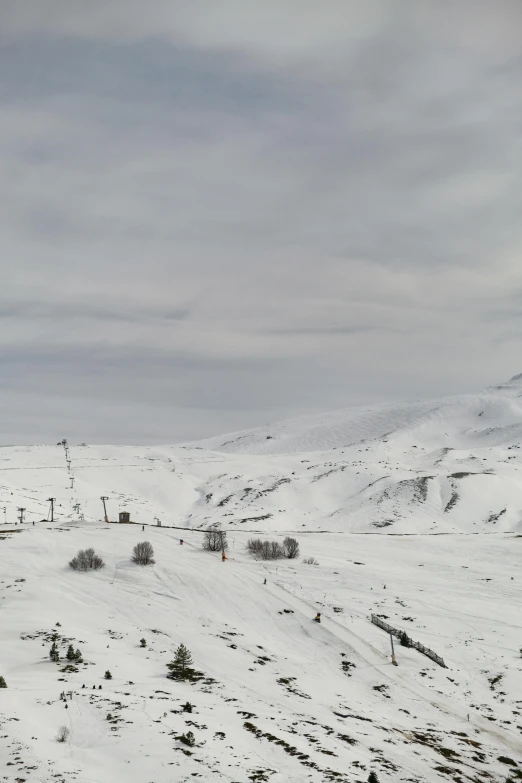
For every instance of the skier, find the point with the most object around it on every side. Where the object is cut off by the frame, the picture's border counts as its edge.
(143, 527)
(264, 581)
(317, 617)
(181, 541)
(83, 686)
(223, 556)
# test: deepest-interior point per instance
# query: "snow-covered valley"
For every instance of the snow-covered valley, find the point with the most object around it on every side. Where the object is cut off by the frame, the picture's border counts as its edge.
(413, 512)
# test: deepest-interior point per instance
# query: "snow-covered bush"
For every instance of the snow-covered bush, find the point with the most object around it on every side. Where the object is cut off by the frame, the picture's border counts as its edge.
(311, 561)
(3, 683)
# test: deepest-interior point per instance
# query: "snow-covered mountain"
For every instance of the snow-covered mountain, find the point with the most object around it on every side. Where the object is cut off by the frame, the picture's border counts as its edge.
(281, 698)
(436, 466)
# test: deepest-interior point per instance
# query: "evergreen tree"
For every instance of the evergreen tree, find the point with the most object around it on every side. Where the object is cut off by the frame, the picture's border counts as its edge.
(70, 655)
(108, 675)
(180, 667)
(372, 778)
(54, 655)
(3, 683)
(143, 642)
(405, 639)
(78, 657)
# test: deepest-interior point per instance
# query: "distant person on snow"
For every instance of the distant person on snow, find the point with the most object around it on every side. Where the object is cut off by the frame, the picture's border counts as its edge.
(181, 541)
(264, 581)
(223, 557)
(143, 527)
(317, 617)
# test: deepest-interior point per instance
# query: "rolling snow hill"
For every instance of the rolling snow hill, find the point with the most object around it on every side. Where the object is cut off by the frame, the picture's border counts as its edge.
(282, 699)
(439, 466)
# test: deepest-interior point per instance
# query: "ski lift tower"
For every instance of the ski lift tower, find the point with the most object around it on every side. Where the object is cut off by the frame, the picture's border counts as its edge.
(51, 501)
(103, 499)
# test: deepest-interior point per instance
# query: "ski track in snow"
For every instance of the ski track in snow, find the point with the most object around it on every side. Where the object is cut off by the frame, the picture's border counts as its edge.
(275, 703)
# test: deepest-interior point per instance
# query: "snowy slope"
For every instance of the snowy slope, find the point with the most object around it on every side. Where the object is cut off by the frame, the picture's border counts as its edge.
(448, 465)
(283, 699)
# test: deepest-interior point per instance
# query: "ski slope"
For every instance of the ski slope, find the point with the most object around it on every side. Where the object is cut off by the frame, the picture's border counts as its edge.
(442, 466)
(275, 703)
(413, 511)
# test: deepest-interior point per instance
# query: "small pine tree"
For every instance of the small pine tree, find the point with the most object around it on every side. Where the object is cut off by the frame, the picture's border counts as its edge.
(405, 639)
(372, 778)
(78, 656)
(143, 642)
(54, 655)
(70, 655)
(107, 675)
(3, 683)
(187, 707)
(180, 667)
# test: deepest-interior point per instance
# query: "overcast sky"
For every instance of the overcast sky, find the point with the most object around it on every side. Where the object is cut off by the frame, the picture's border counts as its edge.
(215, 214)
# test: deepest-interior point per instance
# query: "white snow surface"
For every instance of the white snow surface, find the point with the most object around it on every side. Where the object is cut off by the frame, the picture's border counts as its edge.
(438, 466)
(283, 699)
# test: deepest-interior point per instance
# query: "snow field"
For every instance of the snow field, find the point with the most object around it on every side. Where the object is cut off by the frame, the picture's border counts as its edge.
(275, 702)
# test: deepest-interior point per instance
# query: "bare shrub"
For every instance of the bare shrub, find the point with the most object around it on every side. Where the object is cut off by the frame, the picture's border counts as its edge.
(291, 547)
(255, 546)
(143, 553)
(85, 560)
(311, 561)
(272, 550)
(267, 550)
(63, 734)
(215, 539)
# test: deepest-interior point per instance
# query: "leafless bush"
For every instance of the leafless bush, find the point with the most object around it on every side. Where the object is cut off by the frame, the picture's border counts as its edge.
(266, 550)
(215, 539)
(311, 561)
(85, 560)
(143, 553)
(291, 547)
(272, 550)
(63, 734)
(255, 546)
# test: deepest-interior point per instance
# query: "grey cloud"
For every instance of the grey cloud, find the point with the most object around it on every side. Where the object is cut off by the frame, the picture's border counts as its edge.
(214, 217)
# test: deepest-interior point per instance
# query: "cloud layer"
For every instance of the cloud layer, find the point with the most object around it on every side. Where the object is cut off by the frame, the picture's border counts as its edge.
(215, 215)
